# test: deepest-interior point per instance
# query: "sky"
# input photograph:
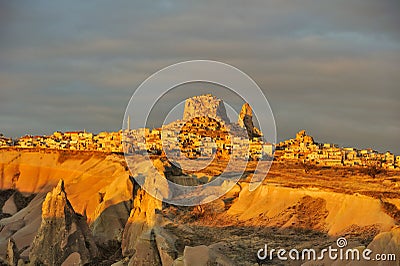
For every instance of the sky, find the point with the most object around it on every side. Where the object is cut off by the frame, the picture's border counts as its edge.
(328, 66)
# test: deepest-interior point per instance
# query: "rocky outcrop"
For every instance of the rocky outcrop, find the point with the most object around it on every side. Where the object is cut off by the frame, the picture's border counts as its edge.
(205, 105)
(112, 214)
(245, 112)
(245, 120)
(22, 227)
(140, 222)
(302, 137)
(146, 253)
(63, 234)
(326, 211)
(386, 243)
(166, 246)
(9, 206)
(86, 173)
(139, 236)
(101, 188)
(111, 222)
(203, 255)
(12, 252)
(155, 247)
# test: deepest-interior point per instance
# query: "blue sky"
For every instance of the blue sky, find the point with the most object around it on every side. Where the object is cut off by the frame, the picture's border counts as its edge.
(330, 67)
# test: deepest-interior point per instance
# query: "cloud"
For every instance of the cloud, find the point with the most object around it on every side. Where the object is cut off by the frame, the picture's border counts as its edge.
(327, 66)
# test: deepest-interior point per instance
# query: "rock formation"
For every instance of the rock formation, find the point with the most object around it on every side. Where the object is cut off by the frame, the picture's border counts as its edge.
(246, 111)
(139, 236)
(166, 245)
(302, 137)
(10, 207)
(111, 222)
(21, 227)
(63, 234)
(245, 120)
(204, 255)
(205, 105)
(138, 229)
(158, 234)
(86, 173)
(12, 252)
(308, 209)
(386, 243)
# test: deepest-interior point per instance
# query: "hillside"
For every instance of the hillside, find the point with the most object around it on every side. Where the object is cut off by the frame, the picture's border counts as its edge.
(291, 209)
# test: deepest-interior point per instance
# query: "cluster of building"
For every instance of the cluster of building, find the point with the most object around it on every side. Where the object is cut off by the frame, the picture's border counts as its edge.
(304, 149)
(207, 138)
(73, 140)
(4, 141)
(199, 137)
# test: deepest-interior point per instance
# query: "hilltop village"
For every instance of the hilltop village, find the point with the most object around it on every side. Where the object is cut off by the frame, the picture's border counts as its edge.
(200, 135)
(303, 148)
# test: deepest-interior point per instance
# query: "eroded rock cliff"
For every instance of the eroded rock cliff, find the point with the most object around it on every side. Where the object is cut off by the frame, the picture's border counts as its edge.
(63, 234)
(205, 105)
(245, 120)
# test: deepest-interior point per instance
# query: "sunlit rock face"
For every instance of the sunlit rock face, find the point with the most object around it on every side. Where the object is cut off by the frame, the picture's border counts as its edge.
(245, 120)
(138, 239)
(63, 234)
(245, 112)
(86, 175)
(302, 137)
(141, 220)
(205, 105)
(56, 204)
